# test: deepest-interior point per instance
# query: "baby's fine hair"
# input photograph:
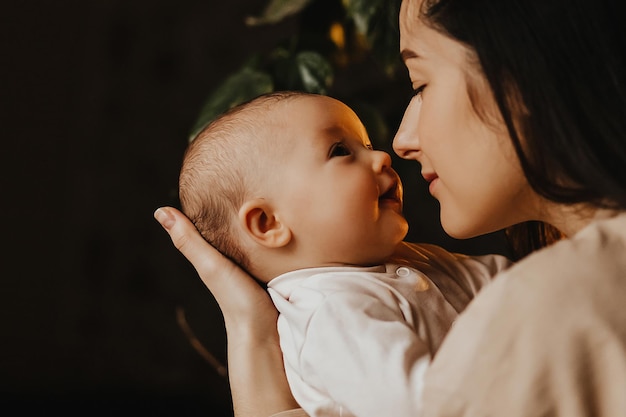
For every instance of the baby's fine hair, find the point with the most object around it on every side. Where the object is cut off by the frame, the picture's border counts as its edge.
(220, 167)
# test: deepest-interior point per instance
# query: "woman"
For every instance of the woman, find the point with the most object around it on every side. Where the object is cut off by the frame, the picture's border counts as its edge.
(518, 122)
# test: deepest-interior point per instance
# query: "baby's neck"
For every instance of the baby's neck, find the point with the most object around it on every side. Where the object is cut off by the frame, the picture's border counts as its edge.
(271, 265)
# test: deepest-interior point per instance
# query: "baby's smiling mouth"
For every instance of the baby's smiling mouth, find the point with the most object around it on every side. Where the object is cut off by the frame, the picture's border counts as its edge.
(392, 195)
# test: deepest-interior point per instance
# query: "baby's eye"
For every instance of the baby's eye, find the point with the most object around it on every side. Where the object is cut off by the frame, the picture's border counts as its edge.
(339, 149)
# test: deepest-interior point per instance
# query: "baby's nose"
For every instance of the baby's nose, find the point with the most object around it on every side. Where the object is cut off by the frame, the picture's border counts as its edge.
(381, 161)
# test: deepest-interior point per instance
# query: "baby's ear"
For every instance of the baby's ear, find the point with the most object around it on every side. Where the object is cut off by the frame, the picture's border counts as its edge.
(261, 223)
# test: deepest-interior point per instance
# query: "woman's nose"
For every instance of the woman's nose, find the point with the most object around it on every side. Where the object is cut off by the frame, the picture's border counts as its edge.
(406, 142)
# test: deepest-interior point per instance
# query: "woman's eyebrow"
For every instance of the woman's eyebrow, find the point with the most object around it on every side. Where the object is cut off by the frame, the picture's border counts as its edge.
(408, 54)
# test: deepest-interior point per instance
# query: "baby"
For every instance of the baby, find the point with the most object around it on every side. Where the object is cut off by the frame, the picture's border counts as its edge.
(288, 186)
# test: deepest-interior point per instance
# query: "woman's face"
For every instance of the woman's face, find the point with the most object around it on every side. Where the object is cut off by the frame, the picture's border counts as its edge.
(467, 159)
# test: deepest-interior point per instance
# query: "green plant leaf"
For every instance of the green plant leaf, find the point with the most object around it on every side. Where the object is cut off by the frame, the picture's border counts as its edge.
(316, 73)
(378, 21)
(242, 86)
(277, 10)
(284, 70)
(305, 71)
(362, 12)
(384, 35)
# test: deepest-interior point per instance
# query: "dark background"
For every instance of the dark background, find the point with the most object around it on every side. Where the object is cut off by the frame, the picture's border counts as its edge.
(98, 98)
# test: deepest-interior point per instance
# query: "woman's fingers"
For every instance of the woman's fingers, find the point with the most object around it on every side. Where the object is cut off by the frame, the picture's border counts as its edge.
(204, 257)
(238, 295)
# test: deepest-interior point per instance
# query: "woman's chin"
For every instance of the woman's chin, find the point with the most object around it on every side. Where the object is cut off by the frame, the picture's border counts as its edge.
(458, 230)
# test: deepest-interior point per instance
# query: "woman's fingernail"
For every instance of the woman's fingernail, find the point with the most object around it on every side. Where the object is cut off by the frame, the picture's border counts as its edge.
(164, 217)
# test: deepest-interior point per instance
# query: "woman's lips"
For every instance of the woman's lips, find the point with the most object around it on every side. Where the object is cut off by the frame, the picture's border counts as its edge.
(432, 185)
(432, 179)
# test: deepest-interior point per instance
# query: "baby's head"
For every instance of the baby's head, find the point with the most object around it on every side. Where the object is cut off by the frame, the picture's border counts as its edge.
(224, 162)
(289, 181)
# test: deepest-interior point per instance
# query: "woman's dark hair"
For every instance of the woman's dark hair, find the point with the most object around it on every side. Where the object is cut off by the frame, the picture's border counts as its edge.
(557, 70)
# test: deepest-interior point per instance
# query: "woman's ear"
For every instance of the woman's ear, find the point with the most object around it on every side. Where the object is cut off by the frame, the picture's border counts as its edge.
(261, 223)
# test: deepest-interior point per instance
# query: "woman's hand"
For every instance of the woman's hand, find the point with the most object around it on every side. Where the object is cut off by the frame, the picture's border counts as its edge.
(239, 296)
(256, 373)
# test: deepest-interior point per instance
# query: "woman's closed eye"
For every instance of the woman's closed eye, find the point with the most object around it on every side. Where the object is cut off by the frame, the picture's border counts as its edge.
(417, 92)
(339, 149)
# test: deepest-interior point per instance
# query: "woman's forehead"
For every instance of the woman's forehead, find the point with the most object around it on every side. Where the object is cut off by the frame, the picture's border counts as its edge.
(410, 9)
(410, 23)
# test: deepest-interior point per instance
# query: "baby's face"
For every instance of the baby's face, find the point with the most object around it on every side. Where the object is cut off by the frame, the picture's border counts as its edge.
(342, 200)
